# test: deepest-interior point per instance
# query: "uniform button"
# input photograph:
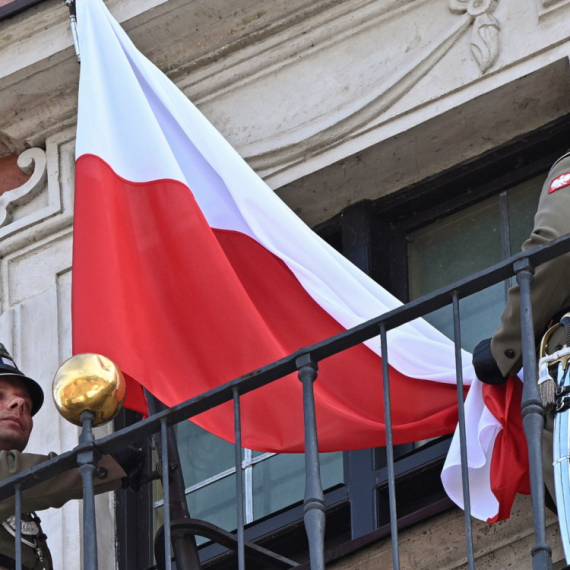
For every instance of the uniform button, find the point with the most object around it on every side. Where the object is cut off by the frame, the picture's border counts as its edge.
(510, 353)
(101, 473)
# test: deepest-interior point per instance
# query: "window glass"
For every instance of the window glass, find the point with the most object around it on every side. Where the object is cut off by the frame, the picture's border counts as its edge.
(271, 482)
(454, 248)
(215, 503)
(202, 455)
(280, 480)
(523, 201)
(466, 242)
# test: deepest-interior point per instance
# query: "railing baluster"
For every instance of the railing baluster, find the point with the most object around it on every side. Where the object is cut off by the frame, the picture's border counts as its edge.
(389, 449)
(166, 494)
(462, 433)
(18, 522)
(183, 545)
(314, 504)
(239, 481)
(532, 413)
(87, 462)
(533, 417)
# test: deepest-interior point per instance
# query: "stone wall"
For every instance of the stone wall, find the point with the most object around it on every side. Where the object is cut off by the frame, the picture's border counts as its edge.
(439, 542)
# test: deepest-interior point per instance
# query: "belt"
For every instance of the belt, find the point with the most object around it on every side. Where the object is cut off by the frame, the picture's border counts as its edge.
(7, 563)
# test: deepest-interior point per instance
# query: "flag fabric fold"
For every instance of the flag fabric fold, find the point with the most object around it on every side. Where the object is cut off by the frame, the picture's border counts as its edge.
(188, 271)
(497, 451)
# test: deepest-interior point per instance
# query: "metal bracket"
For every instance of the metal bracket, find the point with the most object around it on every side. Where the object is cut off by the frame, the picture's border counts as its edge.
(522, 265)
(306, 360)
(73, 23)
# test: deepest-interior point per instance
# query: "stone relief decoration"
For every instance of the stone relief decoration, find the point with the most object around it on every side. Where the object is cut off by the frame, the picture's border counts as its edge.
(341, 76)
(547, 6)
(32, 161)
(44, 204)
(486, 28)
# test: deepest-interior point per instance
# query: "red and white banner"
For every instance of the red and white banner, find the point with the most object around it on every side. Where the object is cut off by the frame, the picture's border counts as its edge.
(188, 271)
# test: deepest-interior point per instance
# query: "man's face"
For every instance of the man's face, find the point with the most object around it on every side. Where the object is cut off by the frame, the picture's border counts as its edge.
(15, 420)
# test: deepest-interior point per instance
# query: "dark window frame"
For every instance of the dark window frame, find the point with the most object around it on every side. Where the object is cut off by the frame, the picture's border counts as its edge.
(373, 234)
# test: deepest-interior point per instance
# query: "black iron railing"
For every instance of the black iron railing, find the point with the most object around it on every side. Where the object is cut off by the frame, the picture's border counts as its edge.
(305, 362)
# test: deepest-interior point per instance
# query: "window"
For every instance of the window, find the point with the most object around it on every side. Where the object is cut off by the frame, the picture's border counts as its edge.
(412, 242)
(272, 482)
(424, 238)
(466, 242)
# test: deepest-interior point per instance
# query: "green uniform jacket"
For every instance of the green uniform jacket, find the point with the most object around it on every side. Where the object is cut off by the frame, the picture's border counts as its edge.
(52, 493)
(550, 289)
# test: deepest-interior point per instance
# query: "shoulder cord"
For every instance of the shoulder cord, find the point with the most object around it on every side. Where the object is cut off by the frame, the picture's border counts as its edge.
(42, 550)
(37, 543)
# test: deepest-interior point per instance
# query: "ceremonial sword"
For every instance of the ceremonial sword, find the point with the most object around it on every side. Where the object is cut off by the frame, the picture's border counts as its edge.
(554, 386)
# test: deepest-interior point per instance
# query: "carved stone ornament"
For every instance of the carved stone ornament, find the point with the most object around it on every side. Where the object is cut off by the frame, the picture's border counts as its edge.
(31, 161)
(547, 6)
(485, 32)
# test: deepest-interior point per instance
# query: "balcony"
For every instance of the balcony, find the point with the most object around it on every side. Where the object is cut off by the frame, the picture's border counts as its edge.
(305, 363)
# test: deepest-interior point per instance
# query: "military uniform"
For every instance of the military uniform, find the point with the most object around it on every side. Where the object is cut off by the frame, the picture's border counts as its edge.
(550, 291)
(52, 493)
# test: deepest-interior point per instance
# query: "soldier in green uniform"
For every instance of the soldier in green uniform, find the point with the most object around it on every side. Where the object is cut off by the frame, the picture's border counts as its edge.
(550, 289)
(495, 359)
(20, 399)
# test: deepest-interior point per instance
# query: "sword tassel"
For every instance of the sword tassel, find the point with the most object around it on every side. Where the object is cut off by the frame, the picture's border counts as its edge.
(547, 386)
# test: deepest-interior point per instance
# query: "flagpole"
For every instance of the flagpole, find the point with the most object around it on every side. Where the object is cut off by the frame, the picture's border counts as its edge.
(73, 24)
(184, 544)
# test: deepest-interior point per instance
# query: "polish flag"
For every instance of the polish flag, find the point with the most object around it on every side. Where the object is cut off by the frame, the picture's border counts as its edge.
(188, 271)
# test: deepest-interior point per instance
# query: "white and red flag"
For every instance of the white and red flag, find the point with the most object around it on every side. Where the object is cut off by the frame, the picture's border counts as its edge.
(188, 271)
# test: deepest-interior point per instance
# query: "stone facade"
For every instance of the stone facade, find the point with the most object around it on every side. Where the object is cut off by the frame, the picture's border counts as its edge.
(440, 543)
(332, 102)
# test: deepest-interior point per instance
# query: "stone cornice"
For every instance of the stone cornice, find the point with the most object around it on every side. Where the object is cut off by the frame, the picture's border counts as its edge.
(286, 81)
(229, 45)
(547, 6)
(39, 74)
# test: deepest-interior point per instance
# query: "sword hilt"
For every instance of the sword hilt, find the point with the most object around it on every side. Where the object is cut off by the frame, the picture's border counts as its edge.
(562, 360)
(561, 432)
(547, 385)
(565, 322)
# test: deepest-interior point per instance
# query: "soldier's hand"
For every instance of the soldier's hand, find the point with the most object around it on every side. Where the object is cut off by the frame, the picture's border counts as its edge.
(485, 365)
(131, 459)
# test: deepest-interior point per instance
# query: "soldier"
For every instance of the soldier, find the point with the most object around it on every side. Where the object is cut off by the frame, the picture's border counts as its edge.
(20, 399)
(495, 359)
